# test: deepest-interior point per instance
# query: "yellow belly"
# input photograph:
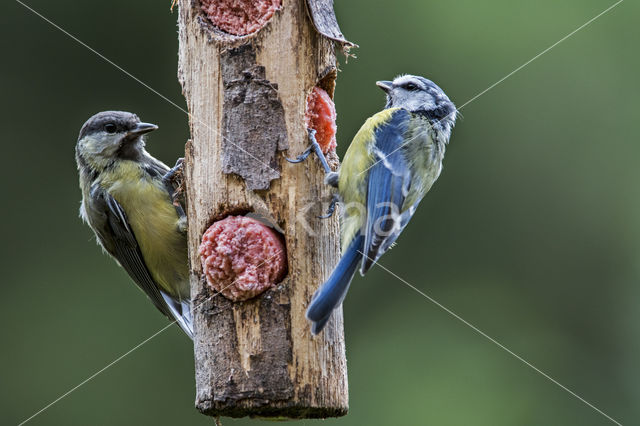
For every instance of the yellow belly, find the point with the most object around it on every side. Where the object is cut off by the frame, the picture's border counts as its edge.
(154, 222)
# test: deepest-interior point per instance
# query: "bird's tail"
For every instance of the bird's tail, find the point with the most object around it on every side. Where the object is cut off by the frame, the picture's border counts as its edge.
(331, 294)
(181, 312)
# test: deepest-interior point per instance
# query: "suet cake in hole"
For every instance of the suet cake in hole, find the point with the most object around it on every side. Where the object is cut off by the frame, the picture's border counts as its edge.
(320, 115)
(240, 17)
(242, 257)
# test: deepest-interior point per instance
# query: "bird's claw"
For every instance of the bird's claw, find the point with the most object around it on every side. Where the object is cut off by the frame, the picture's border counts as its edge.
(172, 180)
(331, 177)
(315, 147)
(300, 158)
(329, 213)
(172, 172)
(331, 209)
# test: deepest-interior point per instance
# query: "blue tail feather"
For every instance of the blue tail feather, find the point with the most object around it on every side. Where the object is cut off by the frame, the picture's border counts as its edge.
(331, 294)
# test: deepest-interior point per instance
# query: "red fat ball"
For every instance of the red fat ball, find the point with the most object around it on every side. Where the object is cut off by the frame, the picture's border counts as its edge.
(240, 17)
(241, 257)
(320, 116)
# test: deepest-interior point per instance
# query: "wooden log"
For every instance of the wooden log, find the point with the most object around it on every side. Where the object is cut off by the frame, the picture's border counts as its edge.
(246, 96)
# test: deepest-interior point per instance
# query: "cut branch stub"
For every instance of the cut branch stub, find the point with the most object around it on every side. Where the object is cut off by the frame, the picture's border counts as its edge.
(325, 22)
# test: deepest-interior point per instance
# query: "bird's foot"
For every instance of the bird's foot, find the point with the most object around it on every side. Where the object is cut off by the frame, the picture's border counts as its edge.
(331, 177)
(173, 181)
(332, 207)
(315, 147)
(175, 170)
(300, 158)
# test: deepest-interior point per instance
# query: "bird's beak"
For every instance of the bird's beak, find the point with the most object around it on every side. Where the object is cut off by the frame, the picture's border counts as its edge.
(141, 129)
(384, 85)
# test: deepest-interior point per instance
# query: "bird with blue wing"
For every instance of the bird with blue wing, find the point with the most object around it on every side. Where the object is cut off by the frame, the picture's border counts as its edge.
(391, 164)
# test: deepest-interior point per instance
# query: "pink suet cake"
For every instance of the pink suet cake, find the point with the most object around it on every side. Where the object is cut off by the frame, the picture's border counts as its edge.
(242, 257)
(320, 115)
(240, 17)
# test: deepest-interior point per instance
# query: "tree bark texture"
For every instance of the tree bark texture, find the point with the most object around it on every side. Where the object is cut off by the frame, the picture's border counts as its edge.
(246, 97)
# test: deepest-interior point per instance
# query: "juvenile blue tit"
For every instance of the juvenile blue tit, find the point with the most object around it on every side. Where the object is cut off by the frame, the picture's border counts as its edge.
(391, 164)
(127, 200)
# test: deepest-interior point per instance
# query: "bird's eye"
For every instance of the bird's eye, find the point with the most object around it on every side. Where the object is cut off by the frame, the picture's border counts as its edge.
(411, 87)
(110, 128)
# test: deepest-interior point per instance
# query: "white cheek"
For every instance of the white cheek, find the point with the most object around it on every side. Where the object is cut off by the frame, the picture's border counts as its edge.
(102, 144)
(415, 104)
(110, 150)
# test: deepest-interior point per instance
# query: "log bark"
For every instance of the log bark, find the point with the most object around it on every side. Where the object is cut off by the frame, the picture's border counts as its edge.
(246, 97)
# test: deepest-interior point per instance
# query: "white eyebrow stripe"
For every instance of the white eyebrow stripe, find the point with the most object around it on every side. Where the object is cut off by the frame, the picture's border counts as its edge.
(399, 81)
(404, 79)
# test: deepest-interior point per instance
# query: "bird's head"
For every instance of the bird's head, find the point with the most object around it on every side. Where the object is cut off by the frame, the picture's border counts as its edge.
(111, 135)
(420, 95)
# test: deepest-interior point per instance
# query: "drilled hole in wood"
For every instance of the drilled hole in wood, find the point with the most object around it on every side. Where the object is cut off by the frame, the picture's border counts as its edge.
(243, 256)
(327, 80)
(239, 17)
(320, 115)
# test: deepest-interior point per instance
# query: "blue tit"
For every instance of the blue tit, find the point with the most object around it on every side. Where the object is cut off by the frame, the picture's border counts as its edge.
(127, 200)
(391, 164)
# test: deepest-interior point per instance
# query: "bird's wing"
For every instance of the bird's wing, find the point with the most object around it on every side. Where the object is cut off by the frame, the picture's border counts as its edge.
(388, 185)
(118, 239)
(157, 169)
(154, 167)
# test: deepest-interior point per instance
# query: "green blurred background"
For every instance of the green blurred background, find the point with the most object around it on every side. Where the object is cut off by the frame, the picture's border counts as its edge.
(532, 233)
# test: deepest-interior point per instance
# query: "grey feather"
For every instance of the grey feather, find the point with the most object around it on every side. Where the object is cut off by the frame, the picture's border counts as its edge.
(116, 237)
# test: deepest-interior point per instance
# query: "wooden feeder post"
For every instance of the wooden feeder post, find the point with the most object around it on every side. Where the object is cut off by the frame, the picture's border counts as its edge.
(246, 96)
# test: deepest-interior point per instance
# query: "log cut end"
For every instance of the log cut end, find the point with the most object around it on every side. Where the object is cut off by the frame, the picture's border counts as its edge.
(240, 17)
